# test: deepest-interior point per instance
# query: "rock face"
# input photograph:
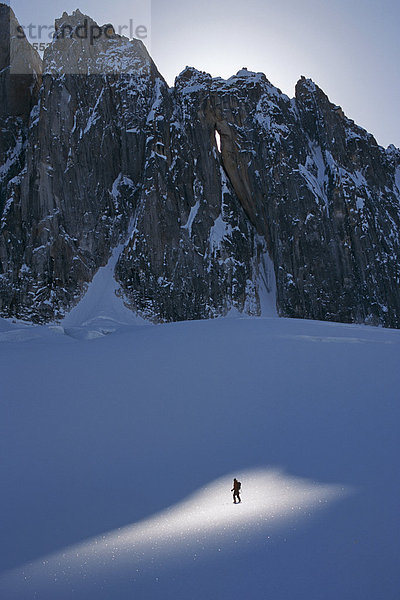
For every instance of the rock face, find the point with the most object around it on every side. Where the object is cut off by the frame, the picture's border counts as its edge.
(83, 165)
(20, 69)
(223, 194)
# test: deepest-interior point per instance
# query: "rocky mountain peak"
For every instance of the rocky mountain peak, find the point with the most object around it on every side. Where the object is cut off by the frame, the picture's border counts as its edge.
(82, 47)
(214, 196)
(191, 79)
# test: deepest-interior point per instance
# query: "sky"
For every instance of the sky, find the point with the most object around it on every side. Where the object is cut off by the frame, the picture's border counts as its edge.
(350, 48)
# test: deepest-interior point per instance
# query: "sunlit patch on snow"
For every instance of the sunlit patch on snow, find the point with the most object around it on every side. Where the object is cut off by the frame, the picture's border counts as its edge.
(268, 498)
(207, 520)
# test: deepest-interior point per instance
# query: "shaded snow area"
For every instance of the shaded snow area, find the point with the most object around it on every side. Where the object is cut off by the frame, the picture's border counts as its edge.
(118, 455)
(101, 311)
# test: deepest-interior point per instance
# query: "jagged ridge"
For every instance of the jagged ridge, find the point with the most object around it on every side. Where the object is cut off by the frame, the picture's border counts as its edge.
(297, 194)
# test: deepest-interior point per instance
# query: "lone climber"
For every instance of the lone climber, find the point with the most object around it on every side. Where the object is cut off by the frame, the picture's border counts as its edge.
(236, 490)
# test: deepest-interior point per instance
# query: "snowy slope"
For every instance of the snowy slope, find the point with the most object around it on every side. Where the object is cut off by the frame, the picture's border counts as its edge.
(101, 311)
(118, 455)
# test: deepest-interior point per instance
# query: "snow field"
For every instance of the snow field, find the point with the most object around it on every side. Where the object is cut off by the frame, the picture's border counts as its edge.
(118, 455)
